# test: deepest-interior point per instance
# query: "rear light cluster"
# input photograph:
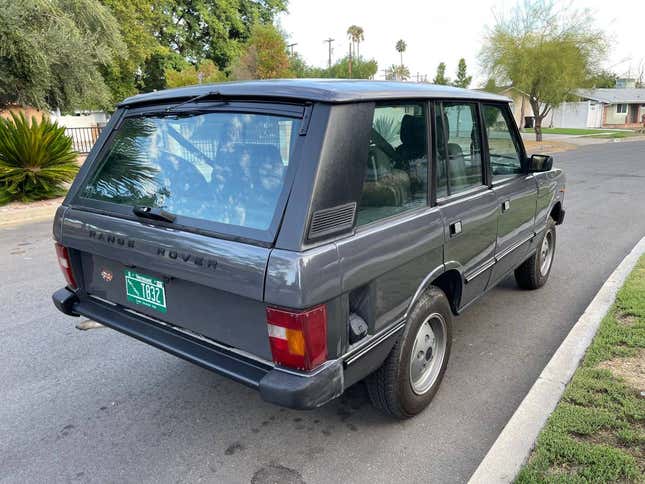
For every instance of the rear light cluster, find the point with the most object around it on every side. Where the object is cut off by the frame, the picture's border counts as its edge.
(65, 266)
(298, 338)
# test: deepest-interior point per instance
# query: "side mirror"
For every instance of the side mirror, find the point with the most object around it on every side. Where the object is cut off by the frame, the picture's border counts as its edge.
(540, 163)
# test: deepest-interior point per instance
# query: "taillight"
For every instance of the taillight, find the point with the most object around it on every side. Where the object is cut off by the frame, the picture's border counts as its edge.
(65, 266)
(298, 338)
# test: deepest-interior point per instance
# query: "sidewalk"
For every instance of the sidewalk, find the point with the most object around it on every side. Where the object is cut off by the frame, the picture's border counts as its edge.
(17, 213)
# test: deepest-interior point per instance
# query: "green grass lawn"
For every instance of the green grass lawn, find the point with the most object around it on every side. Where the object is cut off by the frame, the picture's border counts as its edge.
(597, 431)
(579, 132)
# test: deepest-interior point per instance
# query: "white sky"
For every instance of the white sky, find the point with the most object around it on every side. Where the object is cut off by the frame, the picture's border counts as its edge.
(438, 31)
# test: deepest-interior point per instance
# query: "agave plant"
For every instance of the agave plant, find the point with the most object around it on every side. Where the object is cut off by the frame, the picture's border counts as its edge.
(36, 159)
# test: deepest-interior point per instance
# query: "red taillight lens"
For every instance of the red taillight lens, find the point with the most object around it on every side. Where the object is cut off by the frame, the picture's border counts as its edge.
(65, 266)
(298, 338)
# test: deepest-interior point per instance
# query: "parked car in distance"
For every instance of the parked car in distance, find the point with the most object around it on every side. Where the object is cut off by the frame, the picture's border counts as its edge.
(299, 236)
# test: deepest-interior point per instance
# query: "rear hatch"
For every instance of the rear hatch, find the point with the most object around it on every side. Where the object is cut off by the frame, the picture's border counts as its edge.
(178, 213)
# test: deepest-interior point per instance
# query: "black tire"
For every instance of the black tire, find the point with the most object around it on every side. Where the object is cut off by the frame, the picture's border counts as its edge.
(390, 387)
(530, 274)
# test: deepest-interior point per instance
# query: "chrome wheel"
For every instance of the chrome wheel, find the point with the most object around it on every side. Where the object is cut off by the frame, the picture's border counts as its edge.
(546, 253)
(428, 353)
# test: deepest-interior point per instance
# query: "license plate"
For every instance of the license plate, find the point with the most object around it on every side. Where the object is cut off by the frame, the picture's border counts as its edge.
(145, 290)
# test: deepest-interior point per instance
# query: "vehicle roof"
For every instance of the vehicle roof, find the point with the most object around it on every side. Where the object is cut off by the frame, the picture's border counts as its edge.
(317, 90)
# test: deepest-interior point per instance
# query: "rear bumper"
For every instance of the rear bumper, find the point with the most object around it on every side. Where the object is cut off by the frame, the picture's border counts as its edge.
(282, 387)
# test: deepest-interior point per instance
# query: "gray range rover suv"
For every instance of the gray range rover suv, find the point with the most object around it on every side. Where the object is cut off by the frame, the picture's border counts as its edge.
(299, 236)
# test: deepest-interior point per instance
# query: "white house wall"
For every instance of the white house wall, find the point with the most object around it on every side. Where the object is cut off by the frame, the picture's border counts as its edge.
(575, 115)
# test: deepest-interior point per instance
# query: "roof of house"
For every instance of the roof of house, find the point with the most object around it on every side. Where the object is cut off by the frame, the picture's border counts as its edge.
(322, 90)
(614, 95)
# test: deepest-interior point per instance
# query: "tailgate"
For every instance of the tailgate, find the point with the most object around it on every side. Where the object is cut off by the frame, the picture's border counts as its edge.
(210, 286)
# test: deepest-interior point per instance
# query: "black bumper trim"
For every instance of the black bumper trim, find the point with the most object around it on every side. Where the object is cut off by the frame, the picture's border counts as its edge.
(277, 386)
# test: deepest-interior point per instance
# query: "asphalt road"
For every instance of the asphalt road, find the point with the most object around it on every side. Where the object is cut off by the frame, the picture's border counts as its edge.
(99, 406)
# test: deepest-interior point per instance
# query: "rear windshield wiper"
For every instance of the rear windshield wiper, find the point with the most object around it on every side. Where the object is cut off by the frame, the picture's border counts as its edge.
(192, 99)
(154, 213)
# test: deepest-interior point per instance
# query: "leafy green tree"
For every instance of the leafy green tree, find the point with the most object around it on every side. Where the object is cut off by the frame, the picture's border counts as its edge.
(545, 51)
(440, 76)
(361, 69)
(204, 73)
(218, 30)
(603, 78)
(491, 86)
(401, 47)
(265, 55)
(36, 159)
(397, 73)
(462, 79)
(137, 22)
(51, 52)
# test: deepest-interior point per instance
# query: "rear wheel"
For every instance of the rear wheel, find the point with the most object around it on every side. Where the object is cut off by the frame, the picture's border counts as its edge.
(534, 272)
(410, 376)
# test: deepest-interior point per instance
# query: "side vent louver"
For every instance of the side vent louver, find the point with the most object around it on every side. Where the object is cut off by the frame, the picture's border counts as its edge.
(332, 220)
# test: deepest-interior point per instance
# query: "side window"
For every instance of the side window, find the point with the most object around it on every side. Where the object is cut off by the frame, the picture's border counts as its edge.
(503, 146)
(396, 176)
(457, 148)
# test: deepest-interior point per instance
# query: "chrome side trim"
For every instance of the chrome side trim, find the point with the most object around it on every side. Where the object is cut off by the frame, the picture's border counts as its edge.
(510, 249)
(356, 353)
(480, 270)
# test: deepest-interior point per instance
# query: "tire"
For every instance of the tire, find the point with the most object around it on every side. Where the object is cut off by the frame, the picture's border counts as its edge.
(534, 272)
(392, 388)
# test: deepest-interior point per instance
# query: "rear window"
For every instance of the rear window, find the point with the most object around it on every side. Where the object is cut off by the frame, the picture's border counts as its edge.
(221, 167)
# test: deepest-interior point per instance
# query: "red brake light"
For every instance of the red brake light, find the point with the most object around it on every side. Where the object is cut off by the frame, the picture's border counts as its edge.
(65, 266)
(298, 338)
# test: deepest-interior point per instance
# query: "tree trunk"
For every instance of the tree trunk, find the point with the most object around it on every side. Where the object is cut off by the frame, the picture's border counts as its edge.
(538, 128)
(537, 117)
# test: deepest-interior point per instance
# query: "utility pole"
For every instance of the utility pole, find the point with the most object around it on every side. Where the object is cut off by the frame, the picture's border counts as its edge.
(290, 47)
(329, 41)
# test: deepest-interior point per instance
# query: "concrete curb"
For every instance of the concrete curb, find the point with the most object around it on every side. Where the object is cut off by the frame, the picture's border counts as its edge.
(514, 444)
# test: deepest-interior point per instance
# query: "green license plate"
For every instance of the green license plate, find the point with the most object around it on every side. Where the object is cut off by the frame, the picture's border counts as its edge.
(145, 290)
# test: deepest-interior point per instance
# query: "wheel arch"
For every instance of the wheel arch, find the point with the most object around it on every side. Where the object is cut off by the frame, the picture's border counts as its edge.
(556, 212)
(449, 278)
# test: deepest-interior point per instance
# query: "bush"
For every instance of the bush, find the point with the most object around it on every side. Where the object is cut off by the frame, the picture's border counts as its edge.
(36, 159)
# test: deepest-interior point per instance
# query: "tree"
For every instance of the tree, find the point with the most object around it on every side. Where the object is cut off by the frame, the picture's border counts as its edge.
(603, 78)
(401, 46)
(204, 73)
(440, 76)
(397, 73)
(356, 36)
(136, 21)
(491, 86)
(51, 52)
(265, 55)
(361, 69)
(546, 52)
(463, 79)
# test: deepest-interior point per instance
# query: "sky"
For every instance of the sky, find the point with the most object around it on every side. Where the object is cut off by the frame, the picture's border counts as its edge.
(437, 31)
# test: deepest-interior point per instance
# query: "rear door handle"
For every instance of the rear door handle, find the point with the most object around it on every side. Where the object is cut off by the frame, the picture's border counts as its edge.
(506, 205)
(455, 228)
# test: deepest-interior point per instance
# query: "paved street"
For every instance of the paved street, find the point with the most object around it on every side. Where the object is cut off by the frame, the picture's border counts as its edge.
(99, 406)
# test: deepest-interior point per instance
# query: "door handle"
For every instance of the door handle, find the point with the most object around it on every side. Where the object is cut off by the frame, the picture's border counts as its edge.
(506, 205)
(455, 228)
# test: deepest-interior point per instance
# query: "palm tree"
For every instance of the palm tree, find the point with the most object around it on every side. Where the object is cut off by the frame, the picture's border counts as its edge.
(400, 48)
(356, 36)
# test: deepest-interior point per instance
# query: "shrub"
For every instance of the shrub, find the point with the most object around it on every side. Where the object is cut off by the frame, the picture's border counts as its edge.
(36, 159)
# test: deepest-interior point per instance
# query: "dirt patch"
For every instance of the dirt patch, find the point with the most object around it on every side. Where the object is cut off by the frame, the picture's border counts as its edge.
(626, 319)
(631, 369)
(548, 146)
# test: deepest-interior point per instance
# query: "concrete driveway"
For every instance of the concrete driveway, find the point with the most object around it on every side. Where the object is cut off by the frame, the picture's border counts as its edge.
(98, 406)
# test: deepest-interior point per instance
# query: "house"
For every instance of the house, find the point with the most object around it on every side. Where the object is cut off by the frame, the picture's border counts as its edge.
(621, 107)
